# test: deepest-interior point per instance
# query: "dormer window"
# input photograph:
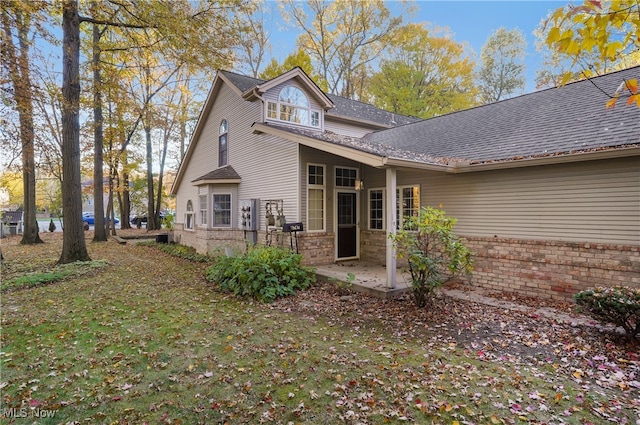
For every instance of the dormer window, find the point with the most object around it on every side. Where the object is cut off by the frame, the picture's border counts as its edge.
(293, 106)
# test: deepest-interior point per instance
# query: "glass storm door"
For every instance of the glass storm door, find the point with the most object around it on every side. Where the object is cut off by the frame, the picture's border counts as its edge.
(347, 225)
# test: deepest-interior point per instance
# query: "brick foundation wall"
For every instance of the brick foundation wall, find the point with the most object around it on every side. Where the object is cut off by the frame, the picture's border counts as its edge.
(316, 248)
(373, 246)
(545, 269)
(550, 269)
(209, 241)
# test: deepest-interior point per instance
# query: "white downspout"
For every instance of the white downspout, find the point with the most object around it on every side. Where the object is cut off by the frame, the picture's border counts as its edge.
(391, 221)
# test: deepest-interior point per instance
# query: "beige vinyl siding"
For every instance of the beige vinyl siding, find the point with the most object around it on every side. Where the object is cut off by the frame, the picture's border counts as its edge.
(594, 201)
(345, 129)
(205, 155)
(267, 165)
(270, 172)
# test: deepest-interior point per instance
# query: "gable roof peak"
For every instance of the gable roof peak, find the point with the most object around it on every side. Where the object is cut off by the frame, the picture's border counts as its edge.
(294, 73)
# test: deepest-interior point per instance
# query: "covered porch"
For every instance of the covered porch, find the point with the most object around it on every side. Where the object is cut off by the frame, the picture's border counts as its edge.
(368, 278)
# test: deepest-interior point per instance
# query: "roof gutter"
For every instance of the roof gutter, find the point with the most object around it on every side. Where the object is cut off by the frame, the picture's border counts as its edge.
(467, 167)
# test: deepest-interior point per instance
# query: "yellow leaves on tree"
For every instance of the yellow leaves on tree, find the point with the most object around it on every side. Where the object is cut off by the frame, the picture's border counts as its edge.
(609, 29)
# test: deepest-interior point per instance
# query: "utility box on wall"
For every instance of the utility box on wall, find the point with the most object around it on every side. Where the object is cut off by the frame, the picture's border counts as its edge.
(249, 219)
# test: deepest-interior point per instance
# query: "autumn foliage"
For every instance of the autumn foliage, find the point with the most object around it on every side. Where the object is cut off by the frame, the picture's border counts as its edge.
(434, 253)
(610, 29)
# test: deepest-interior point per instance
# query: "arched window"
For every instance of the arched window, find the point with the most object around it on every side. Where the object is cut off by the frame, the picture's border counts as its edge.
(293, 106)
(189, 216)
(223, 144)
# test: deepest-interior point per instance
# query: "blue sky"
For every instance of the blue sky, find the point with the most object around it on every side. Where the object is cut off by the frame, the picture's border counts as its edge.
(472, 21)
(475, 21)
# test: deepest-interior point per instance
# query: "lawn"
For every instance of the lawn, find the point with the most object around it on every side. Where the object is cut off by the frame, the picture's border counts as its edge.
(137, 336)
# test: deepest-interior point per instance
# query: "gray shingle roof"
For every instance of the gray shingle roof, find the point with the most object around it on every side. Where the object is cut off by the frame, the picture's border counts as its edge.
(366, 112)
(357, 143)
(568, 119)
(344, 107)
(225, 173)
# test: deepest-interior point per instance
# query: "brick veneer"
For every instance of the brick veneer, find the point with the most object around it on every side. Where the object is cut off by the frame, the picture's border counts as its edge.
(546, 269)
(552, 269)
(317, 248)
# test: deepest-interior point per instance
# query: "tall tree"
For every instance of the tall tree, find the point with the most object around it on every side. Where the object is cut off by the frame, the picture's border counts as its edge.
(16, 23)
(100, 232)
(179, 38)
(254, 45)
(343, 38)
(300, 59)
(501, 73)
(611, 29)
(423, 75)
(74, 247)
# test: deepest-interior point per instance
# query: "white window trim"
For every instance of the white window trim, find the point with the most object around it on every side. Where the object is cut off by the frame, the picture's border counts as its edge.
(191, 213)
(213, 212)
(400, 217)
(309, 109)
(335, 169)
(200, 210)
(323, 187)
(384, 211)
(226, 135)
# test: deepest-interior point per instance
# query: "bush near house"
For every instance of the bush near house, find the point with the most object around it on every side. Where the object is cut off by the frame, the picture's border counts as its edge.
(434, 253)
(263, 272)
(619, 305)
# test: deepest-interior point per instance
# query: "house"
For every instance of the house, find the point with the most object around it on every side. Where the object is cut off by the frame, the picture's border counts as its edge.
(545, 186)
(11, 223)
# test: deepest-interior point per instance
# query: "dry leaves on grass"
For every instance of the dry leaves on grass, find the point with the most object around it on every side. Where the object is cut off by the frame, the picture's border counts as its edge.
(599, 360)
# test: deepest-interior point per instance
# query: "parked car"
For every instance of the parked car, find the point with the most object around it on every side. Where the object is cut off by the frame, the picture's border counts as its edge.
(143, 218)
(89, 218)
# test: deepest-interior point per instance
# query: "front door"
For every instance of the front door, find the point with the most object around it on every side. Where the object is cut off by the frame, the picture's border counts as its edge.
(347, 225)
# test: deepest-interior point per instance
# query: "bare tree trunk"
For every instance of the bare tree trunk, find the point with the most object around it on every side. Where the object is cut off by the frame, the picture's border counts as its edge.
(165, 146)
(18, 66)
(183, 129)
(123, 194)
(151, 213)
(74, 247)
(100, 234)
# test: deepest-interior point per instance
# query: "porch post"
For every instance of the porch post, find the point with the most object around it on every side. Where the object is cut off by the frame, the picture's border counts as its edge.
(391, 221)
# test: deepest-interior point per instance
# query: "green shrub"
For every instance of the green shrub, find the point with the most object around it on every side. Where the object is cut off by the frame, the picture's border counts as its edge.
(434, 253)
(619, 305)
(263, 272)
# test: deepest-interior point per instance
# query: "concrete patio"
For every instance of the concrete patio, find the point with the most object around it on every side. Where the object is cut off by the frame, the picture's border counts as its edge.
(368, 278)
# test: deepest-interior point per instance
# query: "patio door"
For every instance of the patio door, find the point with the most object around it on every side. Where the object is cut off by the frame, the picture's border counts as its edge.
(347, 223)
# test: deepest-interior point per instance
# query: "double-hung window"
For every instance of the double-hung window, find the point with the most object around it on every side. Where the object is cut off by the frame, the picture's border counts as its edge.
(315, 197)
(222, 210)
(407, 203)
(376, 209)
(203, 210)
(189, 216)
